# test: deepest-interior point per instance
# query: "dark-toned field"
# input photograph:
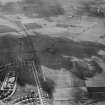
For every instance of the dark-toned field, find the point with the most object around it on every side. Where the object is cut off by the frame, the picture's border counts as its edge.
(51, 53)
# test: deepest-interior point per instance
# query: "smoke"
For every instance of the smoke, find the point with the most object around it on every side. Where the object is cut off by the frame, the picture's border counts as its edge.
(31, 7)
(3, 2)
(93, 8)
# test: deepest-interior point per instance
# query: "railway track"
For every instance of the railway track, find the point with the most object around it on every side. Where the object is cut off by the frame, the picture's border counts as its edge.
(8, 86)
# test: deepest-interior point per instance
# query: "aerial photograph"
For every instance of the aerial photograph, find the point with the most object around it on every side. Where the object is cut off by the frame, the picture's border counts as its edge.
(52, 52)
